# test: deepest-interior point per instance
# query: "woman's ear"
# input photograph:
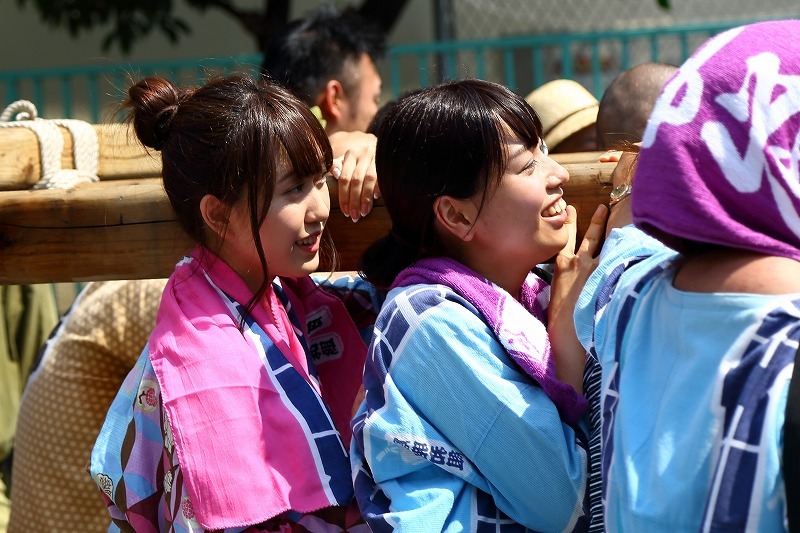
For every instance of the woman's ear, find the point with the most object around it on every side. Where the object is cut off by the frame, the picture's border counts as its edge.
(455, 216)
(216, 215)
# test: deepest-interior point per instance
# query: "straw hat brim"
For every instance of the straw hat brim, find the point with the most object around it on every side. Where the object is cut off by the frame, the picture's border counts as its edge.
(565, 107)
(572, 124)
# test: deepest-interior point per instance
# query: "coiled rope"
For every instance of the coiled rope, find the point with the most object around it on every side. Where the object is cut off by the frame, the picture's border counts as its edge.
(85, 149)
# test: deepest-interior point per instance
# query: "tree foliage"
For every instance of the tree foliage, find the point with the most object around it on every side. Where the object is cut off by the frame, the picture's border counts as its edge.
(132, 20)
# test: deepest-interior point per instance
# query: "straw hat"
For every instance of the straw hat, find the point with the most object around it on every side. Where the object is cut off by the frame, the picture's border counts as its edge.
(564, 107)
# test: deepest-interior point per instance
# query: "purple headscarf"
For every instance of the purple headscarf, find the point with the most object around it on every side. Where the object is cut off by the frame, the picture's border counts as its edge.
(721, 153)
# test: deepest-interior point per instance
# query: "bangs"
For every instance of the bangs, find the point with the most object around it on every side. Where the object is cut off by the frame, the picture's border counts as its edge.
(519, 117)
(511, 118)
(305, 147)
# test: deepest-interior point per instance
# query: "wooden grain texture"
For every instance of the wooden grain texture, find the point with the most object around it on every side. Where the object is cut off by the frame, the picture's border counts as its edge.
(123, 226)
(125, 229)
(121, 156)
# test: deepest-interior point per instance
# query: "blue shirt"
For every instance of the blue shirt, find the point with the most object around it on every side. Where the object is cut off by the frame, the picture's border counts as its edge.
(682, 363)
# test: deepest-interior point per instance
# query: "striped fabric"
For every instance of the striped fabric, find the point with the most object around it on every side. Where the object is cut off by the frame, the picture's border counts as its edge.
(747, 393)
(751, 388)
(610, 396)
(331, 460)
(592, 384)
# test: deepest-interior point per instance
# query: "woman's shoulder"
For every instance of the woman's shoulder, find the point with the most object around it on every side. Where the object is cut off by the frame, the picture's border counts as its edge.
(430, 299)
(427, 319)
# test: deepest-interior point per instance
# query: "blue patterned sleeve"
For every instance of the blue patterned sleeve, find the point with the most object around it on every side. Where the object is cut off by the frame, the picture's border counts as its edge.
(361, 299)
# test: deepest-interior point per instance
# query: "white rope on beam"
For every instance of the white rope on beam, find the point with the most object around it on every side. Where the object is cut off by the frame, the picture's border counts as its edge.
(86, 153)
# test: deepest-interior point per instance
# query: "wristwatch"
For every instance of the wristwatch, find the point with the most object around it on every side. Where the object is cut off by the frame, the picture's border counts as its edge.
(619, 193)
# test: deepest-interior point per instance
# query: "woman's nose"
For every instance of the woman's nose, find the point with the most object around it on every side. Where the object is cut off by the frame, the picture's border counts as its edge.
(319, 203)
(558, 175)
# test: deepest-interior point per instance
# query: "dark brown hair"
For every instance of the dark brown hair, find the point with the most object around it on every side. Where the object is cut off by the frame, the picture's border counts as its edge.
(226, 139)
(445, 140)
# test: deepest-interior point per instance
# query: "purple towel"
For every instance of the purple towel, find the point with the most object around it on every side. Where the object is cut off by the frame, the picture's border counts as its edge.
(518, 325)
(719, 160)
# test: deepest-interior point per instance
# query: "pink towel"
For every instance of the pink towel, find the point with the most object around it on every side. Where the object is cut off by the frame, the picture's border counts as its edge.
(253, 435)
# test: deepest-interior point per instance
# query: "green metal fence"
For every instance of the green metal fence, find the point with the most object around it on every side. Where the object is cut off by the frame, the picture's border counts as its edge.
(92, 92)
(521, 63)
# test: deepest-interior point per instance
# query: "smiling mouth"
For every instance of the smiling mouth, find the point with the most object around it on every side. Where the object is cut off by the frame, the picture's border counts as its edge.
(308, 241)
(555, 209)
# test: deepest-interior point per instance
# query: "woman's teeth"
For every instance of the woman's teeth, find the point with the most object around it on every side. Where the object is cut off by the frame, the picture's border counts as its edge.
(308, 241)
(555, 209)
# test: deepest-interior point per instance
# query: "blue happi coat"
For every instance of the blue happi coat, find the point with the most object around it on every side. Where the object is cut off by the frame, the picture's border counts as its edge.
(452, 436)
(694, 389)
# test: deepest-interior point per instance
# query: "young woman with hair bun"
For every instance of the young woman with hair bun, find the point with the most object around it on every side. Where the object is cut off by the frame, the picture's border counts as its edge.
(236, 416)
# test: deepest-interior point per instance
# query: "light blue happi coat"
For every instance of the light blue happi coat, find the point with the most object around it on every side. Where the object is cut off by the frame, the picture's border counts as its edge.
(452, 436)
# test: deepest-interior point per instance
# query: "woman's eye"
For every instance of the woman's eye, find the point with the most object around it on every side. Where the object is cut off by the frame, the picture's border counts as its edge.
(530, 166)
(314, 180)
(296, 189)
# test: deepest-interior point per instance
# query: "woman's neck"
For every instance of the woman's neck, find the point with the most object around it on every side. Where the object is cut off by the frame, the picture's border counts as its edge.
(498, 270)
(738, 271)
(509, 281)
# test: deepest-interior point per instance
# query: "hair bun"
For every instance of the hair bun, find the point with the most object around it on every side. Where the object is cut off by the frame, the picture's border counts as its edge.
(162, 124)
(153, 104)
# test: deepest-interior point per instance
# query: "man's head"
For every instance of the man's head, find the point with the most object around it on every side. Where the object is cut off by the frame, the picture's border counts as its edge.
(328, 60)
(628, 101)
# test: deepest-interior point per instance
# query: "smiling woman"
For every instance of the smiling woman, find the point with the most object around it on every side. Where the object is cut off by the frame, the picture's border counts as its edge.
(473, 414)
(237, 412)
(507, 239)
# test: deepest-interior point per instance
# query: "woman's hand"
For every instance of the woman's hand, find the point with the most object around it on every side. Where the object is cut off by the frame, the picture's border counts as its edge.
(354, 170)
(572, 269)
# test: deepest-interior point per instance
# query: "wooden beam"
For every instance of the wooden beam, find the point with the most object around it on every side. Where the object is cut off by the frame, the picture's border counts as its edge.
(125, 229)
(121, 156)
(106, 230)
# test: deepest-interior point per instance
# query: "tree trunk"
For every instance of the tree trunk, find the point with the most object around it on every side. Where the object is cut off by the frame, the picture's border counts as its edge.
(276, 16)
(383, 13)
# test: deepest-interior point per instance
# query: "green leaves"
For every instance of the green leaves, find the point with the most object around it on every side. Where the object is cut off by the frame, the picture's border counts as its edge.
(129, 20)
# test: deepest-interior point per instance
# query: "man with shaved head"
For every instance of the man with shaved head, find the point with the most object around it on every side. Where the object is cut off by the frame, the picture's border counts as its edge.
(628, 101)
